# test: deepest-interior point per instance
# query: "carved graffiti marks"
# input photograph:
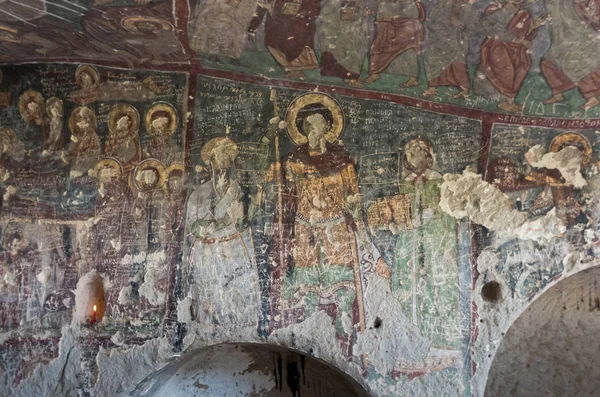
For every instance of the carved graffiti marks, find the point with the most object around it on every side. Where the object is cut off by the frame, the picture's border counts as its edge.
(80, 149)
(313, 197)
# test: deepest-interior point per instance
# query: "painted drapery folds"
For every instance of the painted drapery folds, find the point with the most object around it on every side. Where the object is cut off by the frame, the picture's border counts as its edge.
(349, 179)
(85, 188)
(526, 57)
(295, 211)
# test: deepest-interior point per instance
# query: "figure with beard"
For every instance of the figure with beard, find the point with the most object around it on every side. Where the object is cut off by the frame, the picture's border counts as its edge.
(222, 275)
(316, 262)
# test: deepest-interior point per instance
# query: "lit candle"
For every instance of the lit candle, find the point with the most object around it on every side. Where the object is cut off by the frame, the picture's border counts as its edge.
(94, 315)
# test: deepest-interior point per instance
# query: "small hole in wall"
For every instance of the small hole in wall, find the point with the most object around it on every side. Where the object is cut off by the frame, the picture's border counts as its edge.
(491, 291)
(378, 322)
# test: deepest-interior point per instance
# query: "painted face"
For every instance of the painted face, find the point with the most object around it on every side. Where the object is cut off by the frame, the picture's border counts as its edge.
(160, 123)
(146, 26)
(417, 158)
(221, 159)
(107, 174)
(83, 123)
(15, 243)
(149, 177)
(55, 110)
(124, 123)
(86, 80)
(175, 184)
(316, 127)
(34, 110)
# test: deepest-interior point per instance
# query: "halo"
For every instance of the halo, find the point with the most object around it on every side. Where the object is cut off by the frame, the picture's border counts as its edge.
(89, 70)
(26, 98)
(120, 110)
(161, 107)
(73, 116)
(109, 162)
(336, 127)
(148, 164)
(573, 139)
(207, 149)
(129, 23)
(52, 101)
(175, 167)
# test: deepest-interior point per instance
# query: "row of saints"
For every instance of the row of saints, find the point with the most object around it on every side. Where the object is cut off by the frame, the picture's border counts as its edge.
(324, 238)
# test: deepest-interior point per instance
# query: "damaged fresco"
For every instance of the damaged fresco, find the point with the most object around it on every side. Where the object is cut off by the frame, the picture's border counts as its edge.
(384, 187)
(94, 157)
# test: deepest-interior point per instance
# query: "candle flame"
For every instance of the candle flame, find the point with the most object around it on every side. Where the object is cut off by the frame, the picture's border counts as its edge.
(94, 307)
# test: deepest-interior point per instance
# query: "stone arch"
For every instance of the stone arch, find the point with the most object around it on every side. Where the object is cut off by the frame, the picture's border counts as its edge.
(249, 369)
(551, 349)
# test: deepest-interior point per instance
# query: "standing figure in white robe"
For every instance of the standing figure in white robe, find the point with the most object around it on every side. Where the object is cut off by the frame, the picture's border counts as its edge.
(223, 276)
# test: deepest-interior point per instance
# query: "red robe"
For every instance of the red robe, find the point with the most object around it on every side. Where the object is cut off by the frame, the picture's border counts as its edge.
(395, 37)
(559, 82)
(506, 63)
(289, 33)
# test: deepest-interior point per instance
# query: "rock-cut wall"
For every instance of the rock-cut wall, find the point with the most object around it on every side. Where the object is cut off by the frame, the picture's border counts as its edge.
(177, 176)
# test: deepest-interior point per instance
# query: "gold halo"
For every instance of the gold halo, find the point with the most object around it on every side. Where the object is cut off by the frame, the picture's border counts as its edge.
(144, 165)
(75, 112)
(573, 139)
(52, 101)
(89, 70)
(161, 107)
(175, 167)
(109, 162)
(120, 110)
(26, 98)
(129, 23)
(207, 149)
(335, 130)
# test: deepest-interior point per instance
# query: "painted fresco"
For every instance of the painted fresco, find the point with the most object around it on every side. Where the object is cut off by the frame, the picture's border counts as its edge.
(539, 190)
(527, 57)
(92, 178)
(124, 31)
(293, 205)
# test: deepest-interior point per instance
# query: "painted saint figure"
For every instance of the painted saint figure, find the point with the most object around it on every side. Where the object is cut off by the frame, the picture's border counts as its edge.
(320, 188)
(398, 40)
(290, 30)
(161, 123)
(33, 111)
(223, 277)
(84, 150)
(450, 24)
(505, 55)
(55, 111)
(425, 275)
(220, 27)
(344, 38)
(573, 59)
(123, 141)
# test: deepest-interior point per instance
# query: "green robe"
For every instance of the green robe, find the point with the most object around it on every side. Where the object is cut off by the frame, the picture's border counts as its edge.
(425, 276)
